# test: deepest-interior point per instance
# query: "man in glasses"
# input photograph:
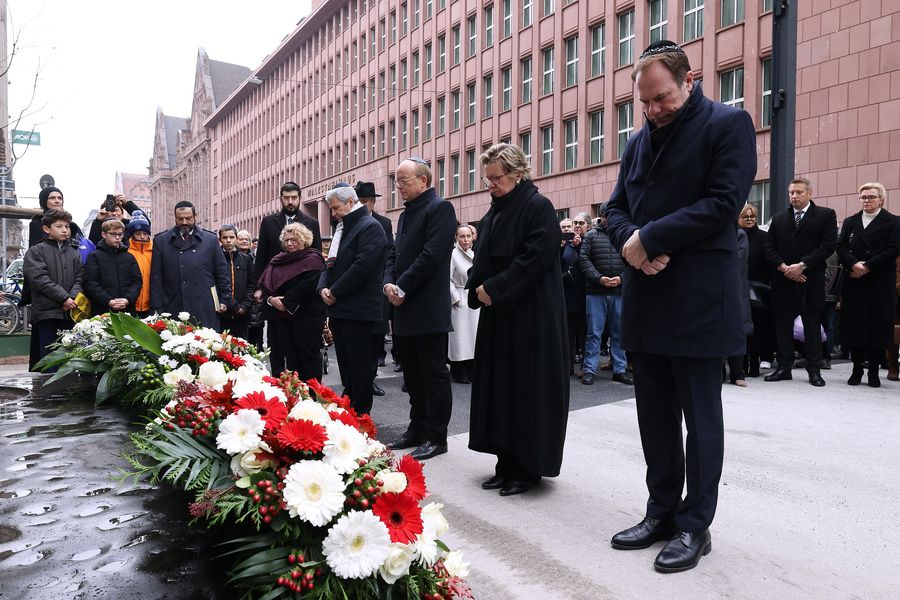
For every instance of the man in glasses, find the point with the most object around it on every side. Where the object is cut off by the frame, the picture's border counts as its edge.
(112, 278)
(416, 280)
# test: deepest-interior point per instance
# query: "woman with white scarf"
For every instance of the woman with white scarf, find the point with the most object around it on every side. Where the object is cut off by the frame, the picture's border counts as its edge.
(461, 344)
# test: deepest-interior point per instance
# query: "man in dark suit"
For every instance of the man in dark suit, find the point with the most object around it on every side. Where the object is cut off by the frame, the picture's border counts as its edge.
(270, 227)
(365, 191)
(683, 179)
(416, 282)
(351, 287)
(800, 241)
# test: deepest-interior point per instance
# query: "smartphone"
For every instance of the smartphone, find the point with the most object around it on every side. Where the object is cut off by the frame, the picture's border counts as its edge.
(568, 236)
(109, 204)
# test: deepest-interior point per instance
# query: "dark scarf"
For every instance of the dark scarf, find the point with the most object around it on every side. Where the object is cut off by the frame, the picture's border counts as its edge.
(500, 229)
(287, 265)
(659, 135)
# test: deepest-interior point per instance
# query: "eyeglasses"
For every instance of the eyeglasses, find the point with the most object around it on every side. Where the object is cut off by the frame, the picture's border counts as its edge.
(579, 222)
(868, 198)
(401, 183)
(749, 217)
(115, 234)
(495, 179)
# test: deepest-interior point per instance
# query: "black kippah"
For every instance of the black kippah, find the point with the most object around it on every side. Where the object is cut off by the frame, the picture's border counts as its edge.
(660, 47)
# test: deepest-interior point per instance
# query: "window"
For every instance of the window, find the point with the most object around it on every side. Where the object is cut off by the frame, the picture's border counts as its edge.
(596, 137)
(392, 182)
(767, 6)
(404, 19)
(455, 100)
(731, 87)
(392, 128)
(415, 68)
(766, 116)
(473, 36)
(442, 53)
(415, 127)
(659, 24)
(454, 170)
(547, 55)
(470, 163)
(456, 43)
(381, 88)
(626, 38)
(693, 19)
(470, 92)
(372, 41)
(549, 6)
(626, 125)
(571, 128)
(732, 12)
(372, 142)
(506, 76)
(487, 84)
(526, 80)
(381, 139)
(415, 18)
(547, 150)
(372, 93)
(598, 49)
(441, 177)
(525, 144)
(429, 8)
(355, 47)
(572, 61)
(362, 48)
(427, 62)
(488, 17)
(403, 132)
(441, 114)
(427, 122)
(507, 18)
(526, 13)
(383, 30)
(392, 70)
(760, 198)
(393, 21)
(404, 81)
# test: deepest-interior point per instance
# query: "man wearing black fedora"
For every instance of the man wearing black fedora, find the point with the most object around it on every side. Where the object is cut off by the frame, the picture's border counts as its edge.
(365, 191)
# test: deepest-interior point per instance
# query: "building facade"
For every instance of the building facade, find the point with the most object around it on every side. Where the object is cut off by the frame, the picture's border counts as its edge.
(162, 165)
(137, 189)
(359, 85)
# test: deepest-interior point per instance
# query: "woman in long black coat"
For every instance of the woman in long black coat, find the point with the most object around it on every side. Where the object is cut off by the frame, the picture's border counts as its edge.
(761, 343)
(868, 246)
(520, 383)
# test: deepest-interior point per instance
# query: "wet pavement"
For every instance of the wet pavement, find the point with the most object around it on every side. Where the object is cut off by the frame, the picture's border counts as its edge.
(67, 528)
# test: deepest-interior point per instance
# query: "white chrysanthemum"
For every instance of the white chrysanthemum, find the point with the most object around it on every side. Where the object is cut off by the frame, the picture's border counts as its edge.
(397, 563)
(184, 315)
(212, 374)
(240, 432)
(357, 545)
(455, 565)
(182, 373)
(310, 411)
(314, 492)
(345, 447)
(67, 340)
(394, 481)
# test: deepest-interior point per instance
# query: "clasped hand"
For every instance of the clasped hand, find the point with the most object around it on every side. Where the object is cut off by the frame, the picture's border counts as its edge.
(635, 255)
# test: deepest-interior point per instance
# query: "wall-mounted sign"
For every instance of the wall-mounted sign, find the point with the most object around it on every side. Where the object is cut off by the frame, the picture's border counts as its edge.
(32, 138)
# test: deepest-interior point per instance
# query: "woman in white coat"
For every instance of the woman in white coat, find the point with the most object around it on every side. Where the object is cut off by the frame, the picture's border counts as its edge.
(461, 344)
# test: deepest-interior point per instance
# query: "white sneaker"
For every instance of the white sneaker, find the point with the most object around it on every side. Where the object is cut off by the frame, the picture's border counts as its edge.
(765, 365)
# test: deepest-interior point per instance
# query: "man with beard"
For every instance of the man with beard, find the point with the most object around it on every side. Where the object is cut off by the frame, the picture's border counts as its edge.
(188, 271)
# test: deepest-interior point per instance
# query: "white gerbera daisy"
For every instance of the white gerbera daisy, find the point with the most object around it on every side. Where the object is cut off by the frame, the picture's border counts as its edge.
(240, 432)
(311, 411)
(357, 545)
(345, 447)
(314, 492)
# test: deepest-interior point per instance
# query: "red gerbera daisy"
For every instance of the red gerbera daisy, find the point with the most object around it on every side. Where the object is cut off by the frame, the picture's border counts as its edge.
(158, 326)
(401, 514)
(231, 359)
(322, 391)
(367, 426)
(221, 398)
(303, 435)
(270, 409)
(197, 358)
(415, 479)
(345, 417)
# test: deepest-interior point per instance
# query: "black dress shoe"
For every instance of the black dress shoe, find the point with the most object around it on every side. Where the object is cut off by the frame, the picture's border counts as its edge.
(428, 450)
(623, 378)
(377, 391)
(856, 375)
(779, 375)
(644, 534)
(494, 483)
(512, 488)
(815, 378)
(683, 552)
(405, 441)
(874, 380)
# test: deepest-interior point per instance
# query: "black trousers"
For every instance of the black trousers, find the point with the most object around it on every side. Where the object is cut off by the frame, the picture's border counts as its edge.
(784, 336)
(353, 347)
(296, 345)
(378, 352)
(237, 326)
(669, 389)
(44, 333)
(424, 359)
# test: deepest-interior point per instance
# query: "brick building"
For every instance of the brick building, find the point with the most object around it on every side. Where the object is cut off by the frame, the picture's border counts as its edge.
(137, 188)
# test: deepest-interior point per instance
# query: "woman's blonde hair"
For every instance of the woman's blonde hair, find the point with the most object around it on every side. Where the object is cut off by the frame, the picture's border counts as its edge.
(510, 157)
(303, 234)
(882, 193)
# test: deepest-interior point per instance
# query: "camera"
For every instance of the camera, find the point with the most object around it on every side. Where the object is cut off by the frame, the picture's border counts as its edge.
(109, 204)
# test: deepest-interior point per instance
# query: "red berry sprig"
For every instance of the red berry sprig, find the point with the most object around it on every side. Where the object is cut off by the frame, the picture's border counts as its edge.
(299, 579)
(363, 488)
(266, 494)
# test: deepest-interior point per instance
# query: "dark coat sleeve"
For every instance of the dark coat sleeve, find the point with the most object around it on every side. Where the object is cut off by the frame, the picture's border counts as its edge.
(817, 257)
(93, 289)
(221, 274)
(370, 249)
(301, 291)
(770, 242)
(157, 289)
(37, 273)
(130, 207)
(94, 233)
(440, 229)
(584, 258)
(248, 301)
(263, 251)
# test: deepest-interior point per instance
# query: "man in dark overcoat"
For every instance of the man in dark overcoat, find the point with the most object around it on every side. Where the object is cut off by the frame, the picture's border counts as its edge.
(416, 278)
(350, 286)
(800, 240)
(682, 182)
(365, 191)
(187, 264)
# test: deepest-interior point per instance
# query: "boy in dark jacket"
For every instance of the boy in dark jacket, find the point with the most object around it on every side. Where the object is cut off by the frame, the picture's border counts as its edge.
(53, 271)
(112, 278)
(240, 268)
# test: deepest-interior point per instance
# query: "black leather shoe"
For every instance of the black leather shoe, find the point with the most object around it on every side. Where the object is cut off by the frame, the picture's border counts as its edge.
(644, 534)
(428, 450)
(623, 378)
(588, 379)
(815, 378)
(377, 391)
(826, 364)
(874, 380)
(779, 375)
(856, 375)
(494, 483)
(405, 441)
(511, 488)
(683, 552)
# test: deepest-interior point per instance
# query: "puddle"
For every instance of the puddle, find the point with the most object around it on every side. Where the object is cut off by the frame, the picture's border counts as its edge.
(120, 520)
(139, 491)
(36, 510)
(14, 493)
(44, 521)
(88, 554)
(96, 510)
(142, 538)
(23, 559)
(97, 492)
(21, 466)
(113, 567)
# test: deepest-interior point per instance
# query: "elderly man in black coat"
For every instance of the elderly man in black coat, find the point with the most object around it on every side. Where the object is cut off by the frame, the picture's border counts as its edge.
(800, 240)
(188, 271)
(683, 180)
(415, 282)
(350, 286)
